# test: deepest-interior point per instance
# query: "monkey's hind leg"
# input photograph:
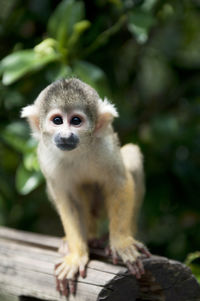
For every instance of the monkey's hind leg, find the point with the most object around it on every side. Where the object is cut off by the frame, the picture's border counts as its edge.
(120, 205)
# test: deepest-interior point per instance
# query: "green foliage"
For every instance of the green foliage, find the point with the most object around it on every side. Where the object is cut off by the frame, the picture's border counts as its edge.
(194, 266)
(139, 23)
(67, 22)
(145, 56)
(19, 63)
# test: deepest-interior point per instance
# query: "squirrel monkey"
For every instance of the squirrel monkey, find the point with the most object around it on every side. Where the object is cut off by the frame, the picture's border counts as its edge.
(80, 157)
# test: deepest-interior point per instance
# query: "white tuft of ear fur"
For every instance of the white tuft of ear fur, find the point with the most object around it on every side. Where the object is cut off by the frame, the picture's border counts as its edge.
(105, 107)
(28, 111)
(31, 113)
(106, 113)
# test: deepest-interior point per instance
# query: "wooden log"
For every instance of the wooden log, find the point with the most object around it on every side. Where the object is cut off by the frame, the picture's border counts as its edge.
(27, 263)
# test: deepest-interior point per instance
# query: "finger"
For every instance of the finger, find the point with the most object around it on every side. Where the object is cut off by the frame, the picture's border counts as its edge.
(114, 257)
(59, 268)
(140, 266)
(142, 249)
(72, 272)
(63, 274)
(56, 266)
(134, 252)
(130, 267)
(129, 254)
(58, 287)
(137, 271)
(133, 268)
(82, 271)
(72, 287)
(108, 251)
(65, 289)
(146, 252)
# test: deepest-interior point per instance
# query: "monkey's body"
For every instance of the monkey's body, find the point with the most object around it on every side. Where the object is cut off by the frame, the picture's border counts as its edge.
(80, 156)
(84, 180)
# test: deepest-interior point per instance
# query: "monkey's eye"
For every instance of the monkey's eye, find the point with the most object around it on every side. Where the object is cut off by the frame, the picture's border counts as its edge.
(57, 120)
(75, 120)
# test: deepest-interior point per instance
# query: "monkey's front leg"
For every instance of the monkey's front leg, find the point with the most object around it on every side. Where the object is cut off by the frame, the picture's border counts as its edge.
(120, 206)
(74, 263)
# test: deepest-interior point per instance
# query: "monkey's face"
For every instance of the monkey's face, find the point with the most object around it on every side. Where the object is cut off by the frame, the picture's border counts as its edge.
(69, 114)
(66, 130)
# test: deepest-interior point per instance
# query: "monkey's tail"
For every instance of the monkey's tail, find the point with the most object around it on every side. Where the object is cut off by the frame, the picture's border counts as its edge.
(133, 161)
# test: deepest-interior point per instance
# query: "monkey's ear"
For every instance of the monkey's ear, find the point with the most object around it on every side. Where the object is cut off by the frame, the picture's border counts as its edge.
(106, 113)
(32, 114)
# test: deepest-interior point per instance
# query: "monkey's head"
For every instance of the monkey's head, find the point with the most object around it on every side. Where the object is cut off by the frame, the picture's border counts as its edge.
(69, 114)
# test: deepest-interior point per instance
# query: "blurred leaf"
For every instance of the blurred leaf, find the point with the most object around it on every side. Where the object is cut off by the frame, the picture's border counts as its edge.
(31, 162)
(27, 181)
(13, 99)
(148, 4)
(104, 37)
(196, 271)
(58, 71)
(6, 8)
(47, 47)
(156, 87)
(88, 71)
(6, 188)
(139, 24)
(19, 63)
(118, 3)
(78, 30)
(155, 75)
(10, 159)
(191, 257)
(194, 267)
(92, 75)
(15, 134)
(66, 15)
(188, 54)
(166, 127)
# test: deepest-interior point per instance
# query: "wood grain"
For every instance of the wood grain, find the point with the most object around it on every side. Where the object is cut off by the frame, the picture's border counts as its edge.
(27, 269)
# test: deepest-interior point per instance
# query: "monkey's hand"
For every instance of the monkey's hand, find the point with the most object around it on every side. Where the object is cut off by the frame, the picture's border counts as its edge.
(131, 252)
(67, 270)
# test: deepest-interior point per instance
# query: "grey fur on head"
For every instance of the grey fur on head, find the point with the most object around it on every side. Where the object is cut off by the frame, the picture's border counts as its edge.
(67, 94)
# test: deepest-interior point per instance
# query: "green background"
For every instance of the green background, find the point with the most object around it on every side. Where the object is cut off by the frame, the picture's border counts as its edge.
(145, 57)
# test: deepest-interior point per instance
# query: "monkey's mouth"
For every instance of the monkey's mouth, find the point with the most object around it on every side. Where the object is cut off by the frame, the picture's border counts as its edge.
(66, 146)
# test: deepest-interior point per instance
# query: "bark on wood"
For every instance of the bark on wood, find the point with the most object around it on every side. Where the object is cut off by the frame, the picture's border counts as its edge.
(27, 263)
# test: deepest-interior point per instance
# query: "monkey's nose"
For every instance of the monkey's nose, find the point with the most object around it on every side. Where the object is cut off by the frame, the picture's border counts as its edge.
(66, 143)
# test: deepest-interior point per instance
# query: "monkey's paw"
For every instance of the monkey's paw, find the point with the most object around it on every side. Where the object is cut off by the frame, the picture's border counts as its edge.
(67, 270)
(131, 252)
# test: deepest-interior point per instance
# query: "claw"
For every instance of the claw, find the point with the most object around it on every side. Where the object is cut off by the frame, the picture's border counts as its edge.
(132, 256)
(114, 257)
(66, 273)
(83, 273)
(142, 249)
(108, 251)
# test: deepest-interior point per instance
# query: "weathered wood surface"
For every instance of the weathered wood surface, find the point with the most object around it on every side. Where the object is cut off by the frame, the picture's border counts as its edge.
(27, 263)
